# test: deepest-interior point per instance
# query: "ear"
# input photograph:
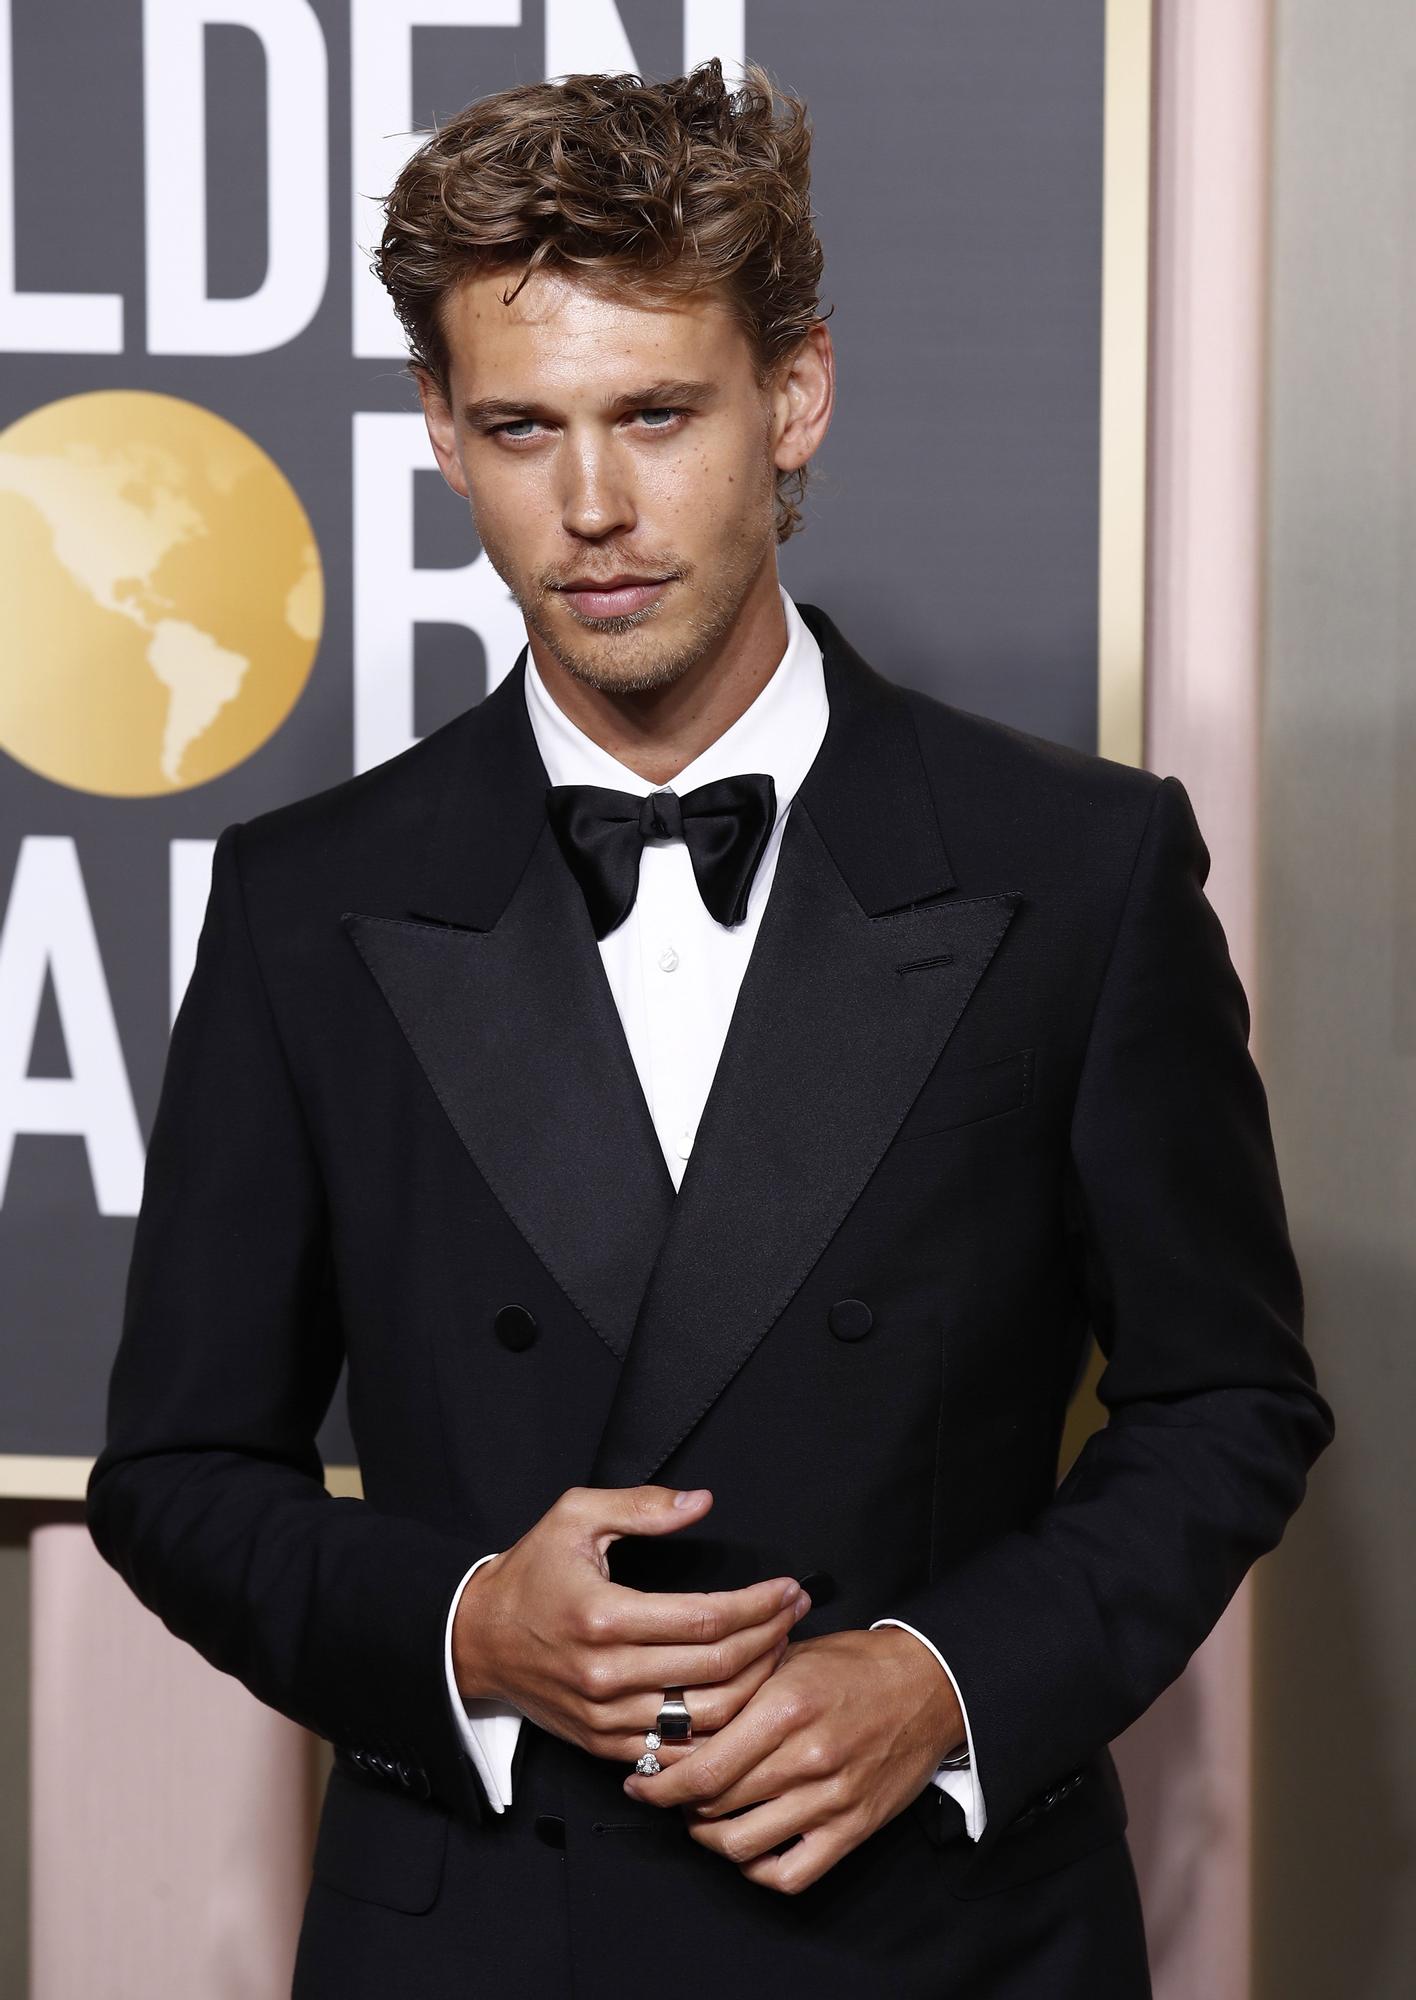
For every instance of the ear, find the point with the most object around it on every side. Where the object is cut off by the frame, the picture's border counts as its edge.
(442, 430)
(803, 399)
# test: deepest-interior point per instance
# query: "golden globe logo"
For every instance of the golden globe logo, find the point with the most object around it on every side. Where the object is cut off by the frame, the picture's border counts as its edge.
(163, 589)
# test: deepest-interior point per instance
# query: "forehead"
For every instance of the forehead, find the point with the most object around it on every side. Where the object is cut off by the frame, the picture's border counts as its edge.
(567, 334)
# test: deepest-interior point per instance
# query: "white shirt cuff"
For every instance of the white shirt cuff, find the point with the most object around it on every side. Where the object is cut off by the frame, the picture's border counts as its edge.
(488, 1729)
(961, 1785)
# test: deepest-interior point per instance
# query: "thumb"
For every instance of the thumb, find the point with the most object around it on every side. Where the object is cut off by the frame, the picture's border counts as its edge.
(650, 1510)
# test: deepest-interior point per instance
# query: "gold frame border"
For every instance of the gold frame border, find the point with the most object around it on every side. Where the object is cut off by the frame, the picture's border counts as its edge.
(1127, 173)
(1125, 378)
(1121, 578)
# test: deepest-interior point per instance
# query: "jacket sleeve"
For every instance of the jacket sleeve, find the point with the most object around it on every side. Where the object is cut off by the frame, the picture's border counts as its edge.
(208, 1497)
(1065, 1630)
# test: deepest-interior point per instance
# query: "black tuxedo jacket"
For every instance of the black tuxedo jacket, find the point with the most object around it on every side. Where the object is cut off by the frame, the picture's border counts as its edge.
(987, 1089)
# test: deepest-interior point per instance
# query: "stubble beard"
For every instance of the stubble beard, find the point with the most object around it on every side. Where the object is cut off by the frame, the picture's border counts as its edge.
(625, 655)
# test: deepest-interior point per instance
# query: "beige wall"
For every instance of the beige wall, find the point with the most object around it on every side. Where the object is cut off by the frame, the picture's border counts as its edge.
(1335, 1910)
(14, 1764)
(18, 1518)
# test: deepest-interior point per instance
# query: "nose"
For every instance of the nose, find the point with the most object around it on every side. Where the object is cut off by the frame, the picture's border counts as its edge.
(596, 500)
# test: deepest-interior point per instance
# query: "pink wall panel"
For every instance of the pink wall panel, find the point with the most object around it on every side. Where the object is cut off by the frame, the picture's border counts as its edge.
(1187, 1764)
(170, 1812)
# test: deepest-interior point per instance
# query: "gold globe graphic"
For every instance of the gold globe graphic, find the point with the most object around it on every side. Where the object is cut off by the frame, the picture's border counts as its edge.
(163, 593)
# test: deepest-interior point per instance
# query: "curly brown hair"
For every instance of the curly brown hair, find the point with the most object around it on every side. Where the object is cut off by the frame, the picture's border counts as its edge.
(660, 188)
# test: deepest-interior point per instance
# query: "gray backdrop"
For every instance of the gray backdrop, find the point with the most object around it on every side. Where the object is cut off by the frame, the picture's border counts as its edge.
(951, 530)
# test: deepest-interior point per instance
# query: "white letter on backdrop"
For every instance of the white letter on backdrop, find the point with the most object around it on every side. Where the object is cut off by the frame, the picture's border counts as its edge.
(188, 893)
(715, 28)
(181, 319)
(48, 925)
(586, 35)
(391, 596)
(380, 108)
(589, 35)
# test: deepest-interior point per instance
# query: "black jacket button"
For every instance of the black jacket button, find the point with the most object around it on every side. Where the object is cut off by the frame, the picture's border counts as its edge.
(850, 1319)
(819, 1585)
(414, 1780)
(516, 1327)
(550, 1828)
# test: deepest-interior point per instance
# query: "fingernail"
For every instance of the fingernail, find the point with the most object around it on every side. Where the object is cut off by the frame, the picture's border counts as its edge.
(686, 1499)
(791, 1592)
(803, 1605)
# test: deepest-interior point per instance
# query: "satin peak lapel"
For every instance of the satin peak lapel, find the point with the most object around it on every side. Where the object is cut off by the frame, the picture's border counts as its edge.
(855, 984)
(493, 974)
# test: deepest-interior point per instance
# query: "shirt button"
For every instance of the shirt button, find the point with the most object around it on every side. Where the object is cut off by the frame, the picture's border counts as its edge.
(668, 959)
(683, 1145)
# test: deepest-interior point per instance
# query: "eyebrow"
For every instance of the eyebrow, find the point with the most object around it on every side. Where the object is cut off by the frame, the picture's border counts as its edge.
(653, 396)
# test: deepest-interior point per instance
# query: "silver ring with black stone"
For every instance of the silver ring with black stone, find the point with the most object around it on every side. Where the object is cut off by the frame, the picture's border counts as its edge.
(673, 1725)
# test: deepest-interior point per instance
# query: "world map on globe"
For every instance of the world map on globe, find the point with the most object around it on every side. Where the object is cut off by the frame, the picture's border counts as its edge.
(164, 592)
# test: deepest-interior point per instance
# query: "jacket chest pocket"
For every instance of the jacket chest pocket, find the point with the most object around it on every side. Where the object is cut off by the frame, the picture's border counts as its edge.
(954, 1097)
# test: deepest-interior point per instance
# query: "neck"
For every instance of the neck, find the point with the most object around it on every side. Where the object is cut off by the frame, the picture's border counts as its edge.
(657, 731)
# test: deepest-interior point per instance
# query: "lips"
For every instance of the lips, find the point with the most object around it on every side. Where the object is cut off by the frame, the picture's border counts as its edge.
(619, 595)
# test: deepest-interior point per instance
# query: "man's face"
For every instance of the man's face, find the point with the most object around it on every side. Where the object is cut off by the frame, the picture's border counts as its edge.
(597, 440)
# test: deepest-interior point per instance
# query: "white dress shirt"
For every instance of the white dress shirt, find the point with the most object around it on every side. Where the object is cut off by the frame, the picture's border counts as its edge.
(675, 973)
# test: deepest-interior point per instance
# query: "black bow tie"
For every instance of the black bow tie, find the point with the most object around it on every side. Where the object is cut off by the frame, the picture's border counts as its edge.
(724, 826)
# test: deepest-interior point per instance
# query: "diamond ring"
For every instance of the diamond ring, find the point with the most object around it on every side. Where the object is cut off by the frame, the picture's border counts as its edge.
(674, 1724)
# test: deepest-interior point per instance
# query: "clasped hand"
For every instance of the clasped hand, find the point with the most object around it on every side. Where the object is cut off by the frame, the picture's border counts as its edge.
(816, 1744)
(846, 1731)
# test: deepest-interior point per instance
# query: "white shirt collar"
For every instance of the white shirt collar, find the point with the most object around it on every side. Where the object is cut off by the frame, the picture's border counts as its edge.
(780, 732)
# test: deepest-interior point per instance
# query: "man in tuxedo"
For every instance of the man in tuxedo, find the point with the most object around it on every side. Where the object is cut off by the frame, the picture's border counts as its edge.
(707, 1094)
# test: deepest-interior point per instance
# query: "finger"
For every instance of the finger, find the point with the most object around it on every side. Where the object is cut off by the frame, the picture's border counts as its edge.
(627, 1744)
(801, 1863)
(805, 1861)
(723, 1758)
(710, 1708)
(596, 1675)
(690, 1617)
(650, 1667)
(785, 1770)
(751, 1834)
(600, 1675)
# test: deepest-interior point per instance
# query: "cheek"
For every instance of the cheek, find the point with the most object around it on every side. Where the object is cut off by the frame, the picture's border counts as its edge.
(716, 496)
(510, 519)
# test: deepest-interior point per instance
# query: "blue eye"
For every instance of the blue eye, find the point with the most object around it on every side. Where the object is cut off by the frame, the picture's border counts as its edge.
(519, 429)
